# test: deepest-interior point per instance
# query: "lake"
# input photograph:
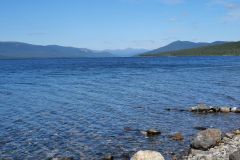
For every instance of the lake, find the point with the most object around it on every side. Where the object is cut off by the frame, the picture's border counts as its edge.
(87, 108)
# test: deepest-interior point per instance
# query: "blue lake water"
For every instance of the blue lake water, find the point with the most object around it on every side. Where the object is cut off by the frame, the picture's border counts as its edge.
(80, 107)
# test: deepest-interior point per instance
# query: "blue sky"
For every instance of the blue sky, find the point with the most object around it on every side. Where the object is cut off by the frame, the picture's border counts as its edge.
(111, 24)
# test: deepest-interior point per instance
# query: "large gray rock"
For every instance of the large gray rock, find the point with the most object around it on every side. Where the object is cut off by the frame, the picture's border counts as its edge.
(206, 139)
(147, 155)
(235, 155)
(108, 157)
(225, 150)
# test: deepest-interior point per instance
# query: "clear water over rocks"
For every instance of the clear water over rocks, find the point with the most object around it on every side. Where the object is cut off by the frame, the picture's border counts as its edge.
(82, 107)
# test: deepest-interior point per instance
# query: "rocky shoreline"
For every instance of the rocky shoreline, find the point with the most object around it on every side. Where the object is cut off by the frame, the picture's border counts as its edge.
(207, 144)
(202, 108)
(226, 148)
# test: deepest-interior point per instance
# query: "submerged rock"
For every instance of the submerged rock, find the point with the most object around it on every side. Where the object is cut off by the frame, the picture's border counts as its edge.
(202, 108)
(174, 157)
(147, 155)
(151, 132)
(108, 157)
(177, 137)
(168, 109)
(62, 158)
(127, 129)
(175, 109)
(206, 139)
(200, 128)
(125, 156)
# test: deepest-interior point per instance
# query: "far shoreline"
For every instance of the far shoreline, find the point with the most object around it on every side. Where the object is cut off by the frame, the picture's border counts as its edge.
(133, 57)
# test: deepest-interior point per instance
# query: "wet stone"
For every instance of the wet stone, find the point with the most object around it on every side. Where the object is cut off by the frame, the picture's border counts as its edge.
(147, 155)
(174, 158)
(151, 132)
(206, 139)
(225, 109)
(229, 135)
(125, 156)
(108, 157)
(127, 129)
(175, 109)
(237, 132)
(202, 108)
(200, 128)
(234, 109)
(237, 110)
(177, 137)
(62, 158)
(228, 149)
(168, 109)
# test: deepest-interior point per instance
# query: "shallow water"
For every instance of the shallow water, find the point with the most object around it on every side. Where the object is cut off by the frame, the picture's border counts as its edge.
(80, 107)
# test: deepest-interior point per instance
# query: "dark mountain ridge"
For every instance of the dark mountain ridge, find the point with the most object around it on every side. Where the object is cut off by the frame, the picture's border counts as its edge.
(225, 49)
(24, 50)
(180, 45)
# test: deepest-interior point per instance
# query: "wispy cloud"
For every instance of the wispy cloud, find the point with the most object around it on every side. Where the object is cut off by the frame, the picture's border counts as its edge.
(172, 2)
(232, 9)
(167, 2)
(172, 19)
(233, 16)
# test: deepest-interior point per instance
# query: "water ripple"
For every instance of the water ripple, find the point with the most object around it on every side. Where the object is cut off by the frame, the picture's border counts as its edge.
(80, 107)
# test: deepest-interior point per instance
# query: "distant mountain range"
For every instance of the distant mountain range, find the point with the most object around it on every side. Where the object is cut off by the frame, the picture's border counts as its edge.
(10, 50)
(213, 49)
(15, 50)
(128, 52)
(180, 45)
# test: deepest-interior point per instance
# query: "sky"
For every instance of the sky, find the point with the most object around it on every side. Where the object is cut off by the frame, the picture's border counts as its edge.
(118, 24)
